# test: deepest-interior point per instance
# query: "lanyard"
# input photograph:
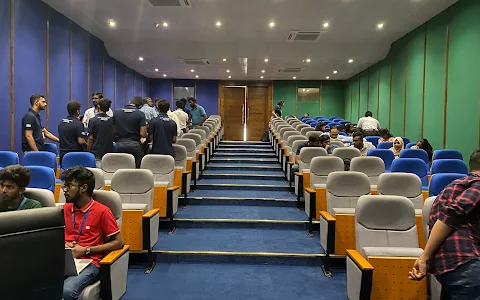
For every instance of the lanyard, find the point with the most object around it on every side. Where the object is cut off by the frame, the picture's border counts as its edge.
(81, 225)
(22, 204)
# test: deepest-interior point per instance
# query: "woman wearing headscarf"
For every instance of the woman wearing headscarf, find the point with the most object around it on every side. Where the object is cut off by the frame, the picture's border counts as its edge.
(397, 146)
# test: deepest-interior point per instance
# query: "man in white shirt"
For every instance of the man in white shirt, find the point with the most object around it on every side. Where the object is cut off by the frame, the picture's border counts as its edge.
(368, 124)
(182, 116)
(92, 111)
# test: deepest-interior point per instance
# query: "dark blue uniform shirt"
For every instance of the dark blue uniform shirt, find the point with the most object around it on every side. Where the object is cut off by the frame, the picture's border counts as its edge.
(31, 121)
(163, 129)
(127, 122)
(101, 126)
(69, 130)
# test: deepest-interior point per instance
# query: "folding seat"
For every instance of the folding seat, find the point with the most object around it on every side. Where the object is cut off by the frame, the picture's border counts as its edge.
(277, 125)
(386, 249)
(209, 136)
(302, 177)
(140, 217)
(40, 158)
(206, 150)
(373, 140)
(447, 154)
(191, 161)
(304, 130)
(371, 166)
(282, 141)
(185, 176)
(45, 197)
(299, 127)
(295, 146)
(165, 192)
(337, 143)
(198, 158)
(337, 222)
(111, 162)
(291, 121)
(449, 166)
(212, 125)
(416, 153)
(218, 120)
(440, 182)
(8, 158)
(406, 185)
(406, 140)
(114, 266)
(42, 178)
(384, 145)
(289, 157)
(315, 193)
(51, 147)
(385, 154)
(346, 153)
(412, 165)
(99, 185)
(283, 159)
(73, 159)
(410, 145)
(294, 124)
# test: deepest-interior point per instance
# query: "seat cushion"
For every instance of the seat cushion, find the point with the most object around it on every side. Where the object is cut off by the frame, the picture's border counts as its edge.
(344, 211)
(391, 251)
(134, 206)
(162, 183)
(91, 292)
(320, 185)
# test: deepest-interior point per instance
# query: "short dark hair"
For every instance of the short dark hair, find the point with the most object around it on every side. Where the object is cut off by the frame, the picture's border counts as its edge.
(180, 104)
(99, 94)
(20, 175)
(474, 162)
(72, 107)
(192, 99)
(163, 106)
(81, 175)
(314, 139)
(183, 100)
(368, 114)
(34, 98)
(104, 104)
(137, 101)
(324, 138)
(145, 100)
(281, 102)
(341, 127)
(319, 125)
(307, 114)
(357, 133)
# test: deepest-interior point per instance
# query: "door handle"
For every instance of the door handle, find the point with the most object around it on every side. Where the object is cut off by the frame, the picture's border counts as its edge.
(243, 114)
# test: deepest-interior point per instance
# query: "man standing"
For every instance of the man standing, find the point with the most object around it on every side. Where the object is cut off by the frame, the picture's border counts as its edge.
(360, 144)
(182, 116)
(90, 228)
(368, 124)
(163, 131)
(33, 132)
(197, 113)
(70, 131)
(452, 252)
(277, 112)
(100, 132)
(92, 111)
(13, 181)
(130, 126)
(148, 109)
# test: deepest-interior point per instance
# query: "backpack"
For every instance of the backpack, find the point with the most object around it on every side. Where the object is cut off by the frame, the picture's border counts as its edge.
(346, 163)
(265, 137)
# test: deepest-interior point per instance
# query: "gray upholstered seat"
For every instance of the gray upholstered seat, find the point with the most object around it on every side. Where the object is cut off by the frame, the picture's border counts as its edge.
(306, 156)
(45, 197)
(401, 184)
(185, 141)
(203, 143)
(111, 162)
(162, 167)
(434, 287)
(295, 136)
(301, 126)
(337, 143)
(372, 166)
(304, 130)
(346, 153)
(181, 162)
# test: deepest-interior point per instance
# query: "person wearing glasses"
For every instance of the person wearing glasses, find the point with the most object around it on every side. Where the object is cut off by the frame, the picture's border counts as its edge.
(92, 111)
(360, 144)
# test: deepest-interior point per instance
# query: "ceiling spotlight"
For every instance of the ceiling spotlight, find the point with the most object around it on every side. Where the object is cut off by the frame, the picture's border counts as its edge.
(165, 24)
(218, 23)
(164, 75)
(294, 77)
(156, 25)
(263, 71)
(350, 61)
(192, 70)
(224, 59)
(307, 60)
(228, 71)
(112, 23)
(140, 58)
(229, 76)
(335, 72)
(380, 25)
(265, 60)
(303, 90)
(261, 77)
(328, 77)
(325, 25)
(196, 76)
(156, 70)
(308, 91)
(272, 24)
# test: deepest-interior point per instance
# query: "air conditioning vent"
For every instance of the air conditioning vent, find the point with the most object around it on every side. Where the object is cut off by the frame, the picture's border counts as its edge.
(194, 61)
(304, 36)
(290, 70)
(169, 3)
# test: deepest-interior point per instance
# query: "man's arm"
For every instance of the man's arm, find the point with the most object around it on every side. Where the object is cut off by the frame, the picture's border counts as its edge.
(30, 140)
(50, 136)
(143, 131)
(204, 118)
(90, 141)
(274, 114)
(115, 243)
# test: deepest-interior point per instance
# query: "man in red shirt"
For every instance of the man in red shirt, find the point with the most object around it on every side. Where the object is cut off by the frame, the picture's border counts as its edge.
(452, 252)
(90, 228)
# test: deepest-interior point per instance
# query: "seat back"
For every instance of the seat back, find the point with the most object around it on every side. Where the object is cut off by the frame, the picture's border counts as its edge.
(201, 133)
(305, 130)
(321, 166)
(288, 134)
(449, 166)
(180, 156)
(411, 165)
(346, 153)
(371, 166)
(162, 167)
(427, 207)
(313, 133)
(402, 184)
(206, 129)
(40, 158)
(195, 137)
(42, 178)
(373, 140)
(45, 197)
(111, 200)
(189, 144)
(344, 188)
(415, 153)
(8, 158)
(51, 147)
(301, 126)
(447, 154)
(135, 186)
(19, 230)
(384, 154)
(99, 183)
(385, 221)
(439, 182)
(292, 139)
(384, 145)
(111, 162)
(307, 154)
(73, 159)
(337, 143)
(284, 130)
(409, 145)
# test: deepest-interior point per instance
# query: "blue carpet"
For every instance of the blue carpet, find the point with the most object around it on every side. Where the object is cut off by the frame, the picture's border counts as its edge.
(240, 212)
(252, 194)
(241, 171)
(234, 282)
(245, 161)
(293, 239)
(259, 181)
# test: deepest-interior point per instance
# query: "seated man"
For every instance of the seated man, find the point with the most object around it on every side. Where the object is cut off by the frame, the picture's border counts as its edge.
(90, 228)
(13, 181)
(314, 141)
(334, 134)
(360, 144)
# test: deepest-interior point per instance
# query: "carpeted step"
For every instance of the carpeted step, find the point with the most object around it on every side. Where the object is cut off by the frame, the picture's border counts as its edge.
(216, 166)
(277, 177)
(240, 171)
(255, 161)
(242, 187)
(241, 150)
(253, 181)
(249, 194)
(231, 212)
(241, 155)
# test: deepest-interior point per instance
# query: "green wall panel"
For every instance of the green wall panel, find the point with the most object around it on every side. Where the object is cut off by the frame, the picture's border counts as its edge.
(363, 94)
(355, 98)
(398, 92)
(285, 90)
(313, 108)
(384, 86)
(373, 90)
(348, 101)
(333, 99)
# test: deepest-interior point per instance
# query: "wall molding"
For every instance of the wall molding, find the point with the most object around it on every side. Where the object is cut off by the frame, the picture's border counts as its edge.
(321, 97)
(378, 92)
(12, 75)
(405, 78)
(70, 57)
(47, 68)
(445, 98)
(115, 86)
(423, 79)
(390, 103)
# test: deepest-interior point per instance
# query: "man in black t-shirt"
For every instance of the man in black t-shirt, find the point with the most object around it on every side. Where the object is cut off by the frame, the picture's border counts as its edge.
(100, 132)
(163, 131)
(70, 131)
(277, 112)
(129, 126)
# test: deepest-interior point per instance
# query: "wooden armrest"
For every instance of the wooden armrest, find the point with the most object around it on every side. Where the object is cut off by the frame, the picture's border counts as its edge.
(187, 172)
(328, 217)
(309, 190)
(114, 255)
(361, 262)
(151, 213)
(173, 188)
(290, 163)
(300, 174)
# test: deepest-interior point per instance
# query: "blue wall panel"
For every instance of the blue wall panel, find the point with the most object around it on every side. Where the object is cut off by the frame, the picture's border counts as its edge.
(79, 65)
(5, 75)
(120, 101)
(97, 50)
(161, 88)
(30, 59)
(138, 85)
(145, 88)
(59, 82)
(130, 84)
(207, 95)
(108, 79)
(183, 83)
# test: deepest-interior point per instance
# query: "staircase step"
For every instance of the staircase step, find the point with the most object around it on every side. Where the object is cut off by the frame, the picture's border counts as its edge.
(251, 181)
(258, 161)
(249, 194)
(243, 167)
(253, 146)
(242, 187)
(244, 155)
(241, 171)
(277, 177)
(243, 143)
(240, 214)
(224, 201)
(249, 150)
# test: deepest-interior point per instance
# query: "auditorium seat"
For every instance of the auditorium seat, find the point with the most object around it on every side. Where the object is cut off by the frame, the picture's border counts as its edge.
(302, 177)
(191, 162)
(313, 133)
(410, 145)
(40, 158)
(405, 140)
(373, 140)
(301, 126)
(449, 166)
(440, 181)
(32, 247)
(209, 136)
(384, 145)
(447, 154)
(8, 158)
(337, 143)
(412, 165)
(416, 153)
(51, 147)
(290, 138)
(385, 154)
(204, 146)
(140, 213)
(42, 178)
(111, 162)
(371, 166)
(304, 130)
(346, 153)
(199, 155)
(186, 176)
(73, 159)
(386, 249)
(45, 197)
(99, 185)
(114, 266)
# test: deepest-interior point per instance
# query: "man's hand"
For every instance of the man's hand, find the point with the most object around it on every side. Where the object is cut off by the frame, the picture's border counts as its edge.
(78, 251)
(69, 245)
(419, 269)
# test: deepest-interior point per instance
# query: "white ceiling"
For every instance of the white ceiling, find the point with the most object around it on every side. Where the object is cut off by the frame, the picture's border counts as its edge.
(245, 33)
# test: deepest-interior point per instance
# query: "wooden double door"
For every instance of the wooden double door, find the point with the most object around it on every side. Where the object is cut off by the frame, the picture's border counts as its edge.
(245, 110)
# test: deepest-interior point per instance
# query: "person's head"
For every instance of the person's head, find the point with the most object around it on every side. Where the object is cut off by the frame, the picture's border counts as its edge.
(38, 102)
(104, 105)
(324, 140)
(281, 103)
(306, 115)
(341, 128)
(398, 143)
(321, 127)
(424, 144)
(314, 141)
(358, 140)
(474, 163)
(163, 106)
(349, 128)
(148, 101)
(156, 101)
(77, 184)
(193, 102)
(184, 101)
(136, 101)
(384, 133)
(334, 133)
(180, 104)
(14, 179)
(95, 97)
(368, 114)
(73, 108)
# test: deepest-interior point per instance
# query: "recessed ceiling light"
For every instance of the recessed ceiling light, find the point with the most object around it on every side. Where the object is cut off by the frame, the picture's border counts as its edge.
(228, 71)
(325, 25)
(156, 70)
(328, 77)
(308, 91)
(140, 58)
(350, 61)
(218, 23)
(265, 60)
(307, 60)
(263, 71)
(380, 25)
(112, 23)
(272, 24)
(229, 76)
(164, 75)
(196, 76)
(335, 72)
(261, 77)
(192, 70)
(156, 25)
(294, 77)
(224, 59)
(165, 24)
(303, 90)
